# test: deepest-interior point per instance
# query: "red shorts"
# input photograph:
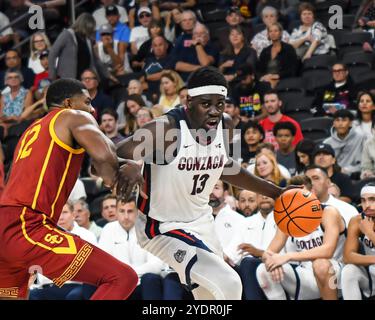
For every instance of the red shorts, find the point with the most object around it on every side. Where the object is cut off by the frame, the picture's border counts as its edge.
(29, 241)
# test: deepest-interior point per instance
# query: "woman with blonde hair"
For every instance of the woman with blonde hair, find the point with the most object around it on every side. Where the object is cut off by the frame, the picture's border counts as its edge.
(170, 84)
(39, 42)
(267, 168)
(144, 115)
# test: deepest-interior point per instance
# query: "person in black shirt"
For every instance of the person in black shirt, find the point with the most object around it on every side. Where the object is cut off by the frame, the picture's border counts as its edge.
(253, 136)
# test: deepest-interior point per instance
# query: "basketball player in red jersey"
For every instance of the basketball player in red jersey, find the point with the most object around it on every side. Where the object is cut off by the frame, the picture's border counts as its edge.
(46, 164)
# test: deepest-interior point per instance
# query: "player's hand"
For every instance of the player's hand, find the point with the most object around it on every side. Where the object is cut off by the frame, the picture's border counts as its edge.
(277, 274)
(246, 248)
(128, 179)
(229, 261)
(366, 225)
(275, 261)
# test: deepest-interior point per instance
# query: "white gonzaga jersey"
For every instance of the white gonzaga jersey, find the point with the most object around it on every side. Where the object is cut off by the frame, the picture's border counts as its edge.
(368, 245)
(315, 239)
(179, 191)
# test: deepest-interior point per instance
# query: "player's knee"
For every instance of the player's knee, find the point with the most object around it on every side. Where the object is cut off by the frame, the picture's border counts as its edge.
(261, 274)
(125, 278)
(231, 287)
(349, 273)
(322, 269)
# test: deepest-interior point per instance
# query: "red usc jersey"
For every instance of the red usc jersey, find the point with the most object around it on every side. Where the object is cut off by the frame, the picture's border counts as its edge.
(44, 169)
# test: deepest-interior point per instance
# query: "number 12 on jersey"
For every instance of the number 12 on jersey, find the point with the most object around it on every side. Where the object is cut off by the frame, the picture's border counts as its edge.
(199, 183)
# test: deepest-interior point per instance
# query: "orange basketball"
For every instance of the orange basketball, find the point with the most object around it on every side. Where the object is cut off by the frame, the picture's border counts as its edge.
(297, 212)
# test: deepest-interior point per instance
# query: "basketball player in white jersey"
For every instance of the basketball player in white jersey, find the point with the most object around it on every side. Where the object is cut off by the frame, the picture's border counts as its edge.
(177, 222)
(359, 272)
(312, 264)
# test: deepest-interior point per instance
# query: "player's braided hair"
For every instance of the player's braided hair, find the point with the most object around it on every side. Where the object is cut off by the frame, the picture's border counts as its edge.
(62, 89)
(206, 76)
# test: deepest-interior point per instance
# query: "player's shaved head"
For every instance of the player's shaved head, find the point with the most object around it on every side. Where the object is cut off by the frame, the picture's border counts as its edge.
(63, 89)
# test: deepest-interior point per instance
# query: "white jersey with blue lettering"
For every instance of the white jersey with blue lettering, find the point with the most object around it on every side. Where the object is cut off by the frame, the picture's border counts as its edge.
(179, 191)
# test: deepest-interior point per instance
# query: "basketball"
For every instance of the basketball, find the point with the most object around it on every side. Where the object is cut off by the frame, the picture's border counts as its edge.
(297, 212)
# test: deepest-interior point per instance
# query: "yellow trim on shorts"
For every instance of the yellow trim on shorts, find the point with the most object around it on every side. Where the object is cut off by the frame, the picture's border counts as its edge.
(56, 139)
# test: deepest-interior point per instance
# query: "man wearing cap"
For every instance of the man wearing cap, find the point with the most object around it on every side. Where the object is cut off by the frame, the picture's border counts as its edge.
(100, 16)
(347, 142)
(140, 33)
(41, 79)
(248, 93)
(324, 156)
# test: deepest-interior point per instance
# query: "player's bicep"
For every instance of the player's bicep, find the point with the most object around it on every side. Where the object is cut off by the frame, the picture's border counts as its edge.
(331, 221)
(351, 242)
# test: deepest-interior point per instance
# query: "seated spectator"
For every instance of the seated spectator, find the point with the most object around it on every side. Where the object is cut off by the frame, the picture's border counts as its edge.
(273, 104)
(303, 152)
(266, 167)
(324, 156)
(253, 135)
(170, 84)
(15, 98)
(135, 87)
(172, 28)
(144, 115)
(133, 103)
(82, 217)
(13, 61)
(261, 39)
(366, 15)
(248, 94)
(340, 91)
(346, 142)
(182, 94)
(140, 33)
(334, 190)
(365, 121)
(284, 133)
(247, 203)
(100, 16)
(119, 239)
(135, 20)
(279, 60)
(71, 290)
(39, 43)
(7, 35)
(99, 100)
(109, 125)
(227, 222)
(41, 80)
(200, 52)
(72, 52)
(311, 38)
(368, 159)
(112, 53)
(108, 210)
(247, 246)
(236, 54)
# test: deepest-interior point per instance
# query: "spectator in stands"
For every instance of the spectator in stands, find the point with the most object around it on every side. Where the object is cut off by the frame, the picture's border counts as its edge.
(41, 81)
(303, 151)
(108, 210)
(247, 203)
(14, 99)
(112, 53)
(340, 91)
(13, 61)
(365, 121)
(266, 167)
(311, 38)
(100, 16)
(368, 159)
(284, 133)
(16, 9)
(144, 115)
(334, 190)
(273, 104)
(261, 39)
(39, 42)
(82, 217)
(140, 34)
(135, 87)
(158, 61)
(279, 60)
(7, 35)
(183, 93)
(134, 18)
(133, 103)
(119, 239)
(99, 100)
(324, 156)
(365, 16)
(233, 110)
(346, 142)
(109, 125)
(170, 84)
(200, 52)
(236, 54)
(248, 93)
(253, 135)
(227, 222)
(172, 28)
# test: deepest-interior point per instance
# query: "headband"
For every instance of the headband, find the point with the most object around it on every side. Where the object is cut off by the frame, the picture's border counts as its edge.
(212, 89)
(367, 189)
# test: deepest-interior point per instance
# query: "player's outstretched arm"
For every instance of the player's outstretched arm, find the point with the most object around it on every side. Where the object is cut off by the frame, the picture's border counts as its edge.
(351, 248)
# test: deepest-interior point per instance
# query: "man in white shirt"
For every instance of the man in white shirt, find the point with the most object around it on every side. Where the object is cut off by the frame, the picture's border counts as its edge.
(100, 17)
(82, 217)
(71, 290)
(248, 245)
(119, 239)
(247, 203)
(140, 33)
